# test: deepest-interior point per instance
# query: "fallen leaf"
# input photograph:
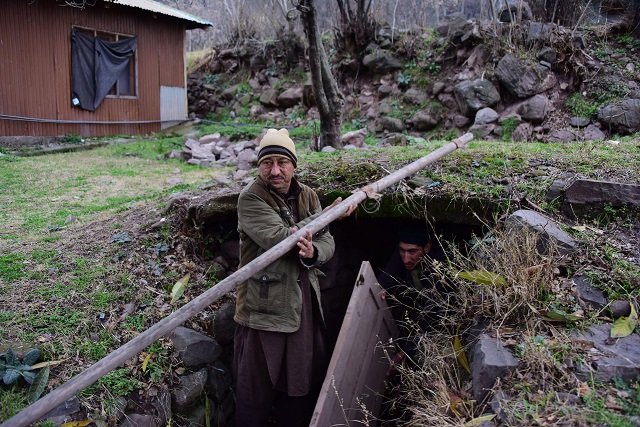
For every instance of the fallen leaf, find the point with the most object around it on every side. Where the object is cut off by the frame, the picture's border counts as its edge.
(479, 420)
(624, 326)
(460, 354)
(46, 364)
(145, 362)
(483, 277)
(82, 423)
(179, 287)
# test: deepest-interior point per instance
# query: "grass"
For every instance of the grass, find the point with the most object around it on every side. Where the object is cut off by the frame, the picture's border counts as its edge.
(39, 195)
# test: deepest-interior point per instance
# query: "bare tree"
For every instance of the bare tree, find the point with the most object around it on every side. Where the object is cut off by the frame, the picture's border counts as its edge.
(357, 27)
(329, 99)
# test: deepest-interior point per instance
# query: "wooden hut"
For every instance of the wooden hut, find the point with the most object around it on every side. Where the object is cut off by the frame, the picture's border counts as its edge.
(41, 67)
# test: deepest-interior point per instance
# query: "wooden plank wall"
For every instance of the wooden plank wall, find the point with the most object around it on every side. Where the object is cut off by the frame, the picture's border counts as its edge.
(35, 67)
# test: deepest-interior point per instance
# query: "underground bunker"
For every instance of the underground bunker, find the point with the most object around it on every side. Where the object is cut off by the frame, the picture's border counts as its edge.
(359, 238)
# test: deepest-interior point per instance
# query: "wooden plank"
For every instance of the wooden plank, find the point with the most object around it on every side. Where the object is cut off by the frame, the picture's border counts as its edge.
(354, 383)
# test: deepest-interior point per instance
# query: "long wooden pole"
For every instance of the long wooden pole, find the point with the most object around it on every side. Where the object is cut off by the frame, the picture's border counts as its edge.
(119, 356)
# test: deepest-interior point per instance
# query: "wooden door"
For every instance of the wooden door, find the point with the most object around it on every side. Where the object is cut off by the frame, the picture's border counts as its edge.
(354, 383)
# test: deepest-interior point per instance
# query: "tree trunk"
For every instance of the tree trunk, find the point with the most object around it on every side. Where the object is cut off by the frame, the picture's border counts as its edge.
(329, 99)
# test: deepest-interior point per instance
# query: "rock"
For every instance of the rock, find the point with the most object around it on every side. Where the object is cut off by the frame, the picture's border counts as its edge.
(396, 139)
(549, 232)
(269, 98)
(381, 62)
(523, 80)
(590, 192)
(620, 358)
(585, 291)
(425, 120)
(355, 137)
(290, 97)
(579, 122)
(63, 412)
(539, 31)
(220, 382)
(385, 90)
(194, 348)
(485, 116)
(240, 175)
(448, 101)
(561, 135)
(623, 117)
(437, 88)
(328, 149)
(247, 159)
(139, 420)
(535, 109)
(522, 132)
(223, 325)
(161, 404)
(230, 92)
(460, 121)
(482, 131)
(593, 133)
(620, 308)
(474, 95)
(414, 96)
(548, 54)
(556, 190)
(490, 360)
(391, 124)
(188, 391)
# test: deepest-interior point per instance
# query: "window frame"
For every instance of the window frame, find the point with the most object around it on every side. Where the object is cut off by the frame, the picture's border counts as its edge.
(117, 36)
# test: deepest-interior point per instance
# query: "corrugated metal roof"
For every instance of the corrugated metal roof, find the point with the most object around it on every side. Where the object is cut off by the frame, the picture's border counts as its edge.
(153, 6)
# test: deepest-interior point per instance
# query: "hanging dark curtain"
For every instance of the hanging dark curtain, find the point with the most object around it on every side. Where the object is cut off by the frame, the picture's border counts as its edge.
(96, 65)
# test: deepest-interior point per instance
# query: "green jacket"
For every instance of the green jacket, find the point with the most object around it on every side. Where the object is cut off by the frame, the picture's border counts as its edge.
(271, 300)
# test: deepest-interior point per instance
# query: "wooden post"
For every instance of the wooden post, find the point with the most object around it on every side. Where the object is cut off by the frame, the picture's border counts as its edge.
(119, 356)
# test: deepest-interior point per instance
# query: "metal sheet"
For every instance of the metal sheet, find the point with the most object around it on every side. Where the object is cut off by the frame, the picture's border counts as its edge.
(153, 6)
(173, 105)
(354, 383)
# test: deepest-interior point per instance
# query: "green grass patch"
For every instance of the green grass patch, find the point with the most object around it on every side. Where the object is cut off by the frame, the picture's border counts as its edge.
(12, 400)
(12, 267)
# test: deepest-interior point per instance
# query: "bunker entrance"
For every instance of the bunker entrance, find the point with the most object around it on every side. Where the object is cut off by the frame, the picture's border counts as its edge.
(363, 248)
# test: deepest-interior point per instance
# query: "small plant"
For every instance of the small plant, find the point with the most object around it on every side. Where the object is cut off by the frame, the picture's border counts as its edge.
(72, 139)
(508, 126)
(580, 106)
(12, 368)
(403, 79)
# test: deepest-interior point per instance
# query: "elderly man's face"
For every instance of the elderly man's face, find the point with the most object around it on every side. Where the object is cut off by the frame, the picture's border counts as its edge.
(411, 254)
(277, 171)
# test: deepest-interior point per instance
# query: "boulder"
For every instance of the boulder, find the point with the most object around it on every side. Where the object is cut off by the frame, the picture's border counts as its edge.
(414, 96)
(523, 80)
(490, 360)
(188, 391)
(618, 357)
(549, 232)
(593, 133)
(472, 95)
(269, 98)
(194, 348)
(590, 192)
(522, 132)
(579, 122)
(223, 325)
(622, 117)
(535, 109)
(391, 124)
(290, 97)
(586, 293)
(425, 120)
(561, 135)
(381, 62)
(355, 138)
(486, 116)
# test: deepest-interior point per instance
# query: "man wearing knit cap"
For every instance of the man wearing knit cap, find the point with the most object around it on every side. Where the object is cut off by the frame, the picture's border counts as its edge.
(279, 352)
(409, 285)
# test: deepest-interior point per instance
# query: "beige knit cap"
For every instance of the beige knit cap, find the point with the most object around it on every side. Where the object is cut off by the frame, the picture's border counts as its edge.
(277, 143)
